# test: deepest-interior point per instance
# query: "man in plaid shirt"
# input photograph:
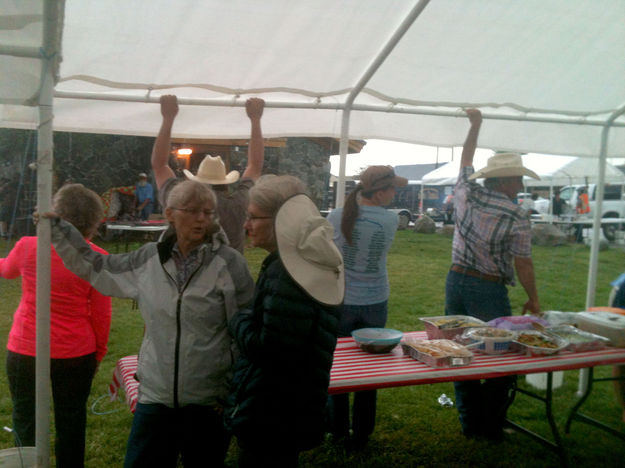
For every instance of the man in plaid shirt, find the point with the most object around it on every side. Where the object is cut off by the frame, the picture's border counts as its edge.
(492, 238)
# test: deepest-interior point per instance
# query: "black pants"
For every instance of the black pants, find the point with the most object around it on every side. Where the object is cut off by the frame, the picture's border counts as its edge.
(71, 385)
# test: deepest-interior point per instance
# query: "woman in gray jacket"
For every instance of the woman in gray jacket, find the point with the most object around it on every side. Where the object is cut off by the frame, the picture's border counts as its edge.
(188, 288)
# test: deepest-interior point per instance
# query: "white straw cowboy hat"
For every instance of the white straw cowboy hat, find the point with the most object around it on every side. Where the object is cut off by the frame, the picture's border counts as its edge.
(307, 250)
(212, 171)
(504, 165)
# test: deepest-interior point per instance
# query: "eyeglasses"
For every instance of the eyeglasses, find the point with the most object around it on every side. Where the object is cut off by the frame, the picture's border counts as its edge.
(249, 217)
(196, 211)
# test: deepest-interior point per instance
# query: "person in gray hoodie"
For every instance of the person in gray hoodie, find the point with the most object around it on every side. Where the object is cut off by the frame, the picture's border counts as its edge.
(188, 287)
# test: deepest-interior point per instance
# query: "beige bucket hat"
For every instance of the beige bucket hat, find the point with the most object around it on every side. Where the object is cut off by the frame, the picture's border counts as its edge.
(504, 165)
(308, 252)
(212, 171)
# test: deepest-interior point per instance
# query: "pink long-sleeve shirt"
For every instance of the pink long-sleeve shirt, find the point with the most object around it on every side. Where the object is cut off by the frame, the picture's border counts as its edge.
(80, 317)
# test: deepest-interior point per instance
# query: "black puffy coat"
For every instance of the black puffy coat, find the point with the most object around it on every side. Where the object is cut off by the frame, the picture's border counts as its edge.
(280, 383)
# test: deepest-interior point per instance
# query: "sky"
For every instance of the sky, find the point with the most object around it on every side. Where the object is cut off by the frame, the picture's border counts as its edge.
(396, 154)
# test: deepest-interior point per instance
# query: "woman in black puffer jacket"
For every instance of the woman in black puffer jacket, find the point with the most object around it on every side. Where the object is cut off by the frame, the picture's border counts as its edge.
(280, 386)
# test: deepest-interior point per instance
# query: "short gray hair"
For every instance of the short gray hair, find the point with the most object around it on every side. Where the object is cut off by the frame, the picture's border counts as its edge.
(271, 191)
(80, 206)
(190, 191)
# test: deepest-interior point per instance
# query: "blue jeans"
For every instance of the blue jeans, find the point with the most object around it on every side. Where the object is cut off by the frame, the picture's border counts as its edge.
(159, 434)
(71, 384)
(481, 405)
(354, 317)
(146, 211)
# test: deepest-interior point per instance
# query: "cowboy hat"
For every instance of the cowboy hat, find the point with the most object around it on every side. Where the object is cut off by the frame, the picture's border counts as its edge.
(307, 250)
(504, 165)
(213, 171)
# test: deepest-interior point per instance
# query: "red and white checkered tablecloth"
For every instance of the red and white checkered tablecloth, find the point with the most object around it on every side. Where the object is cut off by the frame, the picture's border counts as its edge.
(354, 369)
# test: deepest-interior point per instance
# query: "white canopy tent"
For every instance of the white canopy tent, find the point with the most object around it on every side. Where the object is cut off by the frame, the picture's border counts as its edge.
(556, 171)
(547, 75)
(552, 170)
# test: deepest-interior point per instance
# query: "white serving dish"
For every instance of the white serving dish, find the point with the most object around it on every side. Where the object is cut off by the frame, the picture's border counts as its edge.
(489, 340)
(607, 324)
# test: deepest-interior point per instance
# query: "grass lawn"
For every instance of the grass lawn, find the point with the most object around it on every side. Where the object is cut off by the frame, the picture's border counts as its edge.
(412, 428)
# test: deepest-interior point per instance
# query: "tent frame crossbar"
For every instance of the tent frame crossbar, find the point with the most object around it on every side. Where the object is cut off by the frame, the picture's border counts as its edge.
(20, 51)
(340, 106)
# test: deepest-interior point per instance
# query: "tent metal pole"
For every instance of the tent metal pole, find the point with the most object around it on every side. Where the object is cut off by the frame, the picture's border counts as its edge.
(560, 119)
(594, 249)
(584, 375)
(371, 69)
(364, 79)
(344, 143)
(44, 192)
(53, 15)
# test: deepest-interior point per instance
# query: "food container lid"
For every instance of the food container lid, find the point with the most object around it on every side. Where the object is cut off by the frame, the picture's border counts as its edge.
(576, 336)
(452, 321)
(606, 319)
(517, 322)
(377, 335)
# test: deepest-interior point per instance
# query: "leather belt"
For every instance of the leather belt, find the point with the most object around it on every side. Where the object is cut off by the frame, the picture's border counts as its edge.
(476, 274)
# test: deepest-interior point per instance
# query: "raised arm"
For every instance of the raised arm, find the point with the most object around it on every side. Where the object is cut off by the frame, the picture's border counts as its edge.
(162, 145)
(256, 149)
(470, 144)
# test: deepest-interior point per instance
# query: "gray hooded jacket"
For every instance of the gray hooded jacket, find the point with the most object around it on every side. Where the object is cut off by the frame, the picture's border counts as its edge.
(187, 351)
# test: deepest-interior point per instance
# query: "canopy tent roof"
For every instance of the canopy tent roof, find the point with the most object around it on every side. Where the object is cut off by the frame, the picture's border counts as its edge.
(546, 75)
(414, 172)
(563, 170)
(552, 170)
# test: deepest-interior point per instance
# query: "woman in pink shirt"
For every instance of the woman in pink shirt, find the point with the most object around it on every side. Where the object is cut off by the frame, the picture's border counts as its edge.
(80, 320)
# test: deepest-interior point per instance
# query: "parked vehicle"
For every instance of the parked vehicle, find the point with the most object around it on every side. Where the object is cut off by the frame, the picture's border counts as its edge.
(538, 205)
(613, 205)
(407, 202)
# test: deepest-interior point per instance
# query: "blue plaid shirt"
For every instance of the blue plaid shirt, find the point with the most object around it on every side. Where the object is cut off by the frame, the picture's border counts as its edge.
(490, 229)
(185, 266)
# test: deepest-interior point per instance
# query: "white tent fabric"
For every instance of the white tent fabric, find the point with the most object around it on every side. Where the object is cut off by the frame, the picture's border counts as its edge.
(552, 170)
(522, 63)
(563, 170)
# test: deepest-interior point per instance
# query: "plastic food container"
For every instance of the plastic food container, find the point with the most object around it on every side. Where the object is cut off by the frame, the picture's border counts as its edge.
(438, 353)
(517, 322)
(557, 343)
(490, 340)
(607, 324)
(579, 340)
(377, 340)
(447, 327)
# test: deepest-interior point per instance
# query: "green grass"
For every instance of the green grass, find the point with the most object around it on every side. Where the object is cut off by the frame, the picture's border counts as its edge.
(412, 429)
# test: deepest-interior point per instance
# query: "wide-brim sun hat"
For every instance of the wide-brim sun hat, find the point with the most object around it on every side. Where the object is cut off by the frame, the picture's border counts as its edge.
(307, 250)
(504, 165)
(212, 171)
